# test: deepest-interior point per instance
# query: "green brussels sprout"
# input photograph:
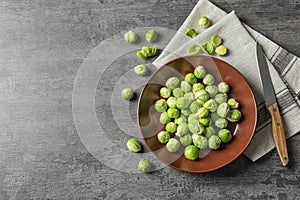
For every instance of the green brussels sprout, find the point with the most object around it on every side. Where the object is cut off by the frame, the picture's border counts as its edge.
(223, 87)
(163, 137)
(234, 115)
(164, 119)
(182, 103)
(208, 79)
(221, 98)
(190, 78)
(214, 116)
(201, 102)
(199, 72)
(180, 120)
(196, 127)
(221, 50)
(194, 107)
(191, 152)
(197, 87)
(212, 90)
(185, 86)
(185, 112)
(130, 37)
(189, 96)
(199, 141)
(150, 35)
(144, 165)
(202, 112)
(204, 22)
(172, 82)
(182, 130)
(223, 109)
(141, 70)
(127, 94)
(165, 92)
(221, 123)
(233, 103)
(191, 32)
(186, 140)
(214, 142)
(146, 52)
(171, 127)
(211, 105)
(216, 40)
(194, 49)
(205, 121)
(134, 145)
(209, 48)
(161, 105)
(173, 113)
(172, 102)
(209, 131)
(173, 145)
(177, 92)
(192, 117)
(225, 135)
(202, 95)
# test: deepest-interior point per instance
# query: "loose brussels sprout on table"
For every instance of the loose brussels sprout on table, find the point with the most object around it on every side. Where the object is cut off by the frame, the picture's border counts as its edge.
(221, 50)
(144, 165)
(173, 145)
(127, 94)
(209, 48)
(204, 22)
(216, 40)
(134, 145)
(130, 37)
(191, 32)
(191, 152)
(194, 49)
(141, 70)
(150, 35)
(163, 137)
(146, 52)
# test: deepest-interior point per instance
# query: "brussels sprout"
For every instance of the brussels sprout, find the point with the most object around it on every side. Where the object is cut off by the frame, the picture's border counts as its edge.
(165, 92)
(134, 145)
(182, 130)
(225, 135)
(194, 107)
(173, 145)
(185, 86)
(141, 70)
(221, 98)
(214, 116)
(146, 52)
(180, 120)
(199, 72)
(201, 102)
(209, 131)
(182, 103)
(177, 92)
(191, 152)
(172, 102)
(197, 87)
(212, 90)
(234, 115)
(171, 127)
(127, 94)
(130, 37)
(233, 103)
(221, 50)
(193, 118)
(196, 127)
(173, 113)
(205, 121)
(191, 32)
(199, 141)
(190, 78)
(204, 22)
(223, 87)
(189, 96)
(214, 142)
(164, 119)
(221, 123)
(211, 105)
(202, 95)
(172, 82)
(208, 79)
(223, 109)
(163, 137)
(150, 35)
(161, 105)
(186, 140)
(202, 112)
(209, 48)
(194, 49)
(185, 112)
(216, 40)
(144, 165)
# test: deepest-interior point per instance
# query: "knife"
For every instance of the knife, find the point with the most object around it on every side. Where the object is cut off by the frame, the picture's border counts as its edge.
(271, 104)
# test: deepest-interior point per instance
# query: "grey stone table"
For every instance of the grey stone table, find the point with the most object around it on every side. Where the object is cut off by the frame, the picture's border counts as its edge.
(42, 45)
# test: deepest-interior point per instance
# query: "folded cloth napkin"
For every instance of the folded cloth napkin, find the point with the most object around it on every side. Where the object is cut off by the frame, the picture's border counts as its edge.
(240, 40)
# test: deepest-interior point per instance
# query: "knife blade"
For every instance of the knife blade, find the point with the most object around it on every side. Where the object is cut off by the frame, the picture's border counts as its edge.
(271, 104)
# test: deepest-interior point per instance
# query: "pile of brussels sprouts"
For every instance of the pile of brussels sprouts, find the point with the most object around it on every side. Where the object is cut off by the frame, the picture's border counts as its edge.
(196, 113)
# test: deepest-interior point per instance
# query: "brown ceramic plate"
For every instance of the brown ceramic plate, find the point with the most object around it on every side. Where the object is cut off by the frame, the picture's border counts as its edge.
(148, 117)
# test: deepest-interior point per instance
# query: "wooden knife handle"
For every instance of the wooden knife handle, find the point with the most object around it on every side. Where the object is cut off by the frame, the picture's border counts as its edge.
(278, 134)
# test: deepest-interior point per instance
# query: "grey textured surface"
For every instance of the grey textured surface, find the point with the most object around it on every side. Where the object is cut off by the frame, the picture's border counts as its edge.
(42, 45)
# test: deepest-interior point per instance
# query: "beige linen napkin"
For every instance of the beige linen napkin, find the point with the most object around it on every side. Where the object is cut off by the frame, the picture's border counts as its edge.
(240, 41)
